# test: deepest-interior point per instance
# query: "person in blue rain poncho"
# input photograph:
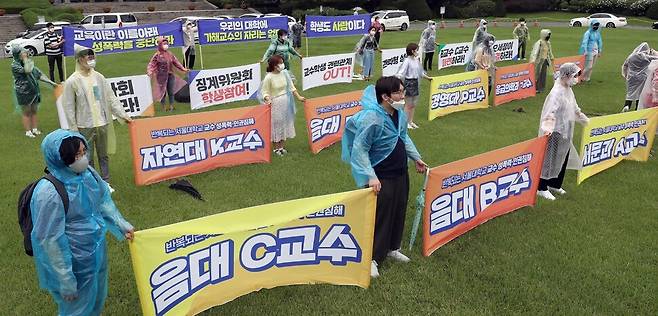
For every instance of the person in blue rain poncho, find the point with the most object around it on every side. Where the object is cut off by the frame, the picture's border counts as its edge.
(591, 46)
(69, 248)
(376, 145)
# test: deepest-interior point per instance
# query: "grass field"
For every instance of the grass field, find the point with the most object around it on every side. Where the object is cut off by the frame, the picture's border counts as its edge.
(593, 251)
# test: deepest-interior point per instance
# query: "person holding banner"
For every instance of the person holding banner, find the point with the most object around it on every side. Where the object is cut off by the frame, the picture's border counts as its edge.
(277, 91)
(70, 251)
(161, 69)
(411, 72)
(479, 36)
(591, 46)
(542, 57)
(377, 146)
(558, 117)
(485, 58)
(634, 70)
(366, 48)
(428, 45)
(189, 45)
(280, 46)
(521, 33)
(27, 94)
(89, 104)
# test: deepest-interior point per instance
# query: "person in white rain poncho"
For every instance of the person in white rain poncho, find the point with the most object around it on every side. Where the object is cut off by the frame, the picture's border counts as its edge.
(542, 57)
(649, 94)
(634, 70)
(89, 102)
(428, 44)
(478, 37)
(558, 117)
(485, 59)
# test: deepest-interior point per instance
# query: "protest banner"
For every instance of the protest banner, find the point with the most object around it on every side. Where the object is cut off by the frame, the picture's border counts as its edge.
(178, 145)
(506, 50)
(134, 93)
(464, 194)
(325, 70)
(456, 54)
(343, 25)
(514, 83)
(607, 140)
(326, 118)
(220, 86)
(579, 60)
(188, 267)
(227, 31)
(458, 92)
(392, 60)
(123, 39)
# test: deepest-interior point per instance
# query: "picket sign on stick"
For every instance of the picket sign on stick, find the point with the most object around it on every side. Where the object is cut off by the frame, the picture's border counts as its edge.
(201, 55)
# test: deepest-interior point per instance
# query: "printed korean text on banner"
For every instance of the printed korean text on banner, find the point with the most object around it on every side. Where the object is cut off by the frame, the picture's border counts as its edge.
(326, 117)
(458, 92)
(188, 267)
(514, 83)
(579, 60)
(123, 39)
(392, 60)
(609, 139)
(212, 32)
(325, 70)
(344, 25)
(134, 93)
(453, 54)
(464, 194)
(506, 50)
(178, 145)
(219, 86)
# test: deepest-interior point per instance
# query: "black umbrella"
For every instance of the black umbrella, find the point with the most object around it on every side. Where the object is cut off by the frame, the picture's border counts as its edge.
(186, 186)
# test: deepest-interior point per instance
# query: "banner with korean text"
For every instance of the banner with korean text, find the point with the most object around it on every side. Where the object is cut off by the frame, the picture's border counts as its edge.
(579, 60)
(123, 39)
(464, 194)
(326, 118)
(219, 86)
(325, 70)
(458, 92)
(188, 267)
(506, 50)
(453, 54)
(178, 145)
(213, 32)
(343, 25)
(392, 59)
(607, 140)
(134, 93)
(514, 83)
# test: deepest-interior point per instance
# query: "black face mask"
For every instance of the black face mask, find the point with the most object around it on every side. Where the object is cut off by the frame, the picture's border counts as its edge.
(595, 27)
(548, 37)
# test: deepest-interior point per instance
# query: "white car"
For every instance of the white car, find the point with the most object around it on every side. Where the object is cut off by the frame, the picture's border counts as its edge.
(108, 21)
(251, 15)
(32, 42)
(393, 19)
(606, 20)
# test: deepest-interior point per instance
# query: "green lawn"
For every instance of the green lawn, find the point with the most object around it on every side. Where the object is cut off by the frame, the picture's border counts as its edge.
(593, 251)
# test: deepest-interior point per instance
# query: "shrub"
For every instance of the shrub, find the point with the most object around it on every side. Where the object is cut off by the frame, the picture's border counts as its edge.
(652, 11)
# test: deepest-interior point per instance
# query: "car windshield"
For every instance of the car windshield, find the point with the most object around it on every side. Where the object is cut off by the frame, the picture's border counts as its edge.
(32, 34)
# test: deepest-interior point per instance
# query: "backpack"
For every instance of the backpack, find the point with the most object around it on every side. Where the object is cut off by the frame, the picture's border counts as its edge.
(25, 214)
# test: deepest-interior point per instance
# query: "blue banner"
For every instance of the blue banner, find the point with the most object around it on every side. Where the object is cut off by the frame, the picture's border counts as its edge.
(345, 25)
(124, 39)
(212, 32)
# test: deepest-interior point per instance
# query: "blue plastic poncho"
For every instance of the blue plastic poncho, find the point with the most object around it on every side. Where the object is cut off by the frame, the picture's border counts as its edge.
(370, 136)
(69, 249)
(591, 40)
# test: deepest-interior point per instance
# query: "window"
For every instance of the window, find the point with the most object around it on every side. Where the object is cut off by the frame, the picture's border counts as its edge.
(111, 19)
(128, 18)
(86, 20)
(98, 19)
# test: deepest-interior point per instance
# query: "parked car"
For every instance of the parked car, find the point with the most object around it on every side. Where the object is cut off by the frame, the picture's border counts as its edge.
(251, 15)
(223, 17)
(655, 25)
(393, 19)
(32, 42)
(606, 19)
(108, 21)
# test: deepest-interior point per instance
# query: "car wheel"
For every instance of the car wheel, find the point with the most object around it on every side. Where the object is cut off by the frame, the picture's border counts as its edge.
(577, 24)
(31, 51)
(610, 25)
(383, 28)
(404, 27)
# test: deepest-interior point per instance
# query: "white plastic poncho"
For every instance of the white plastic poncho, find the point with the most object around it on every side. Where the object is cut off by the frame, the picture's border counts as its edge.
(559, 114)
(634, 70)
(649, 94)
(478, 37)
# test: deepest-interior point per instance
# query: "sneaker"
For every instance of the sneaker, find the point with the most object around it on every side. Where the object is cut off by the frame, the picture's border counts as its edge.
(398, 256)
(625, 109)
(545, 194)
(279, 152)
(374, 272)
(29, 134)
(409, 126)
(559, 191)
(284, 151)
(111, 188)
(36, 131)
(414, 125)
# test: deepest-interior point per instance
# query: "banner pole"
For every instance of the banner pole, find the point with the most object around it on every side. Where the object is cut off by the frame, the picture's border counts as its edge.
(64, 64)
(306, 47)
(201, 55)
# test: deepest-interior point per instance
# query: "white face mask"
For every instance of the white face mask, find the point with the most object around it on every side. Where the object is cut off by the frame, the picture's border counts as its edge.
(80, 165)
(91, 63)
(398, 105)
(165, 47)
(433, 27)
(284, 38)
(281, 67)
(572, 81)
